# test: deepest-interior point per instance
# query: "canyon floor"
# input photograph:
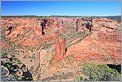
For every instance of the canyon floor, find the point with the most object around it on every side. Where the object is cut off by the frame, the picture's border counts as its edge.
(45, 58)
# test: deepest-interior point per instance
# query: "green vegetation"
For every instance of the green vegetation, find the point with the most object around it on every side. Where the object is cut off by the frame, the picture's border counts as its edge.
(107, 55)
(78, 78)
(53, 55)
(98, 73)
(107, 58)
(77, 36)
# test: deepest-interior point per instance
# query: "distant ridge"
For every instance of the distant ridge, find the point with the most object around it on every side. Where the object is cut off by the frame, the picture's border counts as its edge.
(57, 16)
(117, 18)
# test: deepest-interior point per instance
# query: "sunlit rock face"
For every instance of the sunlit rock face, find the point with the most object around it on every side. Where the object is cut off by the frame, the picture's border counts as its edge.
(64, 46)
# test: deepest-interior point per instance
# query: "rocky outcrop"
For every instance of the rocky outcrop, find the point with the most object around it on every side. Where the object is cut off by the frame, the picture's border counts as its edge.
(59, 48)
(60, 45)
(13, 69)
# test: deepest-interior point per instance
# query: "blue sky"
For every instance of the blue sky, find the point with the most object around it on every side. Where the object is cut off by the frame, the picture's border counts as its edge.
(46, 8)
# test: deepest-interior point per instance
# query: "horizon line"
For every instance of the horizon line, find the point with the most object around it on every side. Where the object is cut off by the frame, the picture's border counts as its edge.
(59, 15)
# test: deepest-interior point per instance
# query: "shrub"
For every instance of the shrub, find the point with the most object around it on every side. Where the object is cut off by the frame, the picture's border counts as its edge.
(100, 72)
